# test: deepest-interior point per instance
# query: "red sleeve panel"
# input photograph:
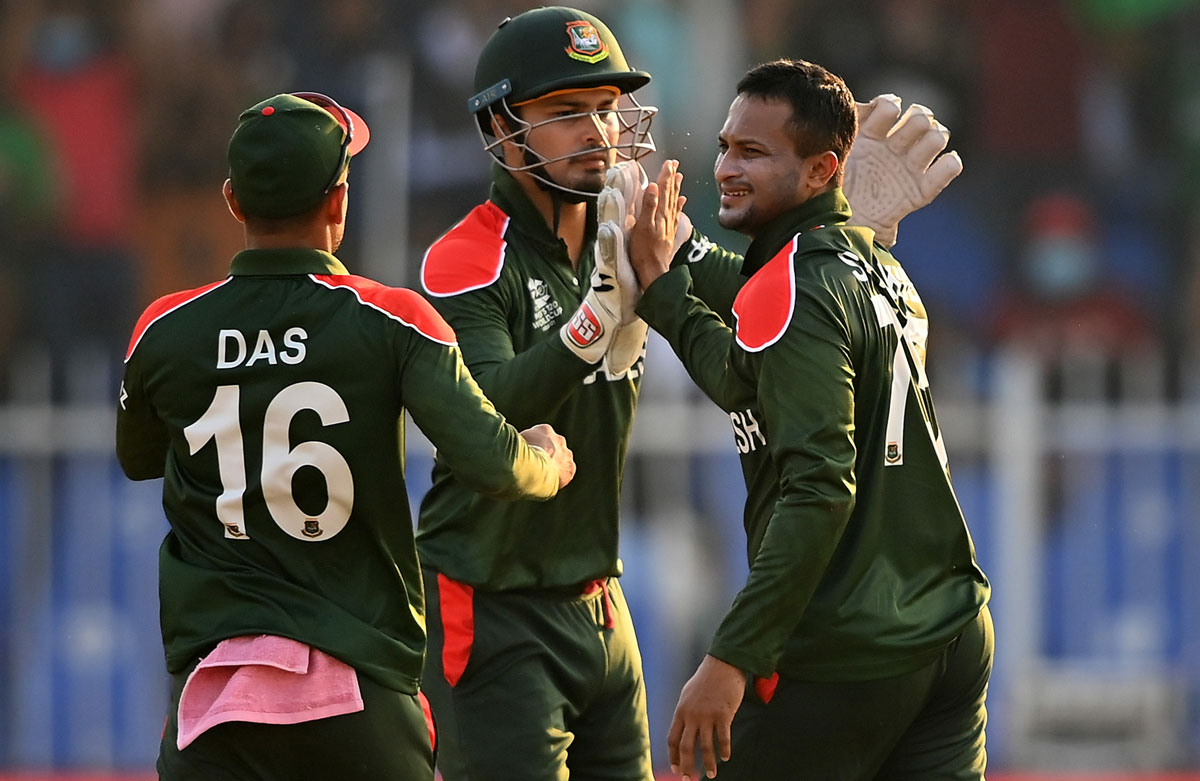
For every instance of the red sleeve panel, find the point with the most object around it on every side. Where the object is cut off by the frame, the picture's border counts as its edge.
(163, 307)
(764, 306)
(470, 255)
(398, 303)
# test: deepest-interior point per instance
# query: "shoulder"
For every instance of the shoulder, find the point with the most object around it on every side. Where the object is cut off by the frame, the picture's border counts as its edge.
(469, 256)
(165, 306)
(814, 265)
(765, 304)
(405, 306)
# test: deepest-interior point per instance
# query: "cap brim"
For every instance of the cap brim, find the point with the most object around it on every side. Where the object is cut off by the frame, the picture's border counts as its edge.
(362, 133)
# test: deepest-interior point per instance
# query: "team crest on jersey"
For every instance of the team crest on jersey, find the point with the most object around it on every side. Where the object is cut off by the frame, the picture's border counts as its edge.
(545, 309)
(312, 528)
(585, 42)
(893, 453)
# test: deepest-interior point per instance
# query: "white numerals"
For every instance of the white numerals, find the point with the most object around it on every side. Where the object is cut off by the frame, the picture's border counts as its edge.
(280, 462)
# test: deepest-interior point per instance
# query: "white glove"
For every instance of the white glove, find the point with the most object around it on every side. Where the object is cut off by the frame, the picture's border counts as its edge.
(591, 329)
(617, 208)
(891, 171)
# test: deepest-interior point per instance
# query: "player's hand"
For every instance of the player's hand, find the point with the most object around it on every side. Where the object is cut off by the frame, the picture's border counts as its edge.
(617, 207)
(704, 713)
(654, 238)
(544, 437)
(617, 211)
(896, 165)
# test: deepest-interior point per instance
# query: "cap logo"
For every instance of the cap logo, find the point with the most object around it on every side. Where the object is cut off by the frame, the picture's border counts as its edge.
(585, 42)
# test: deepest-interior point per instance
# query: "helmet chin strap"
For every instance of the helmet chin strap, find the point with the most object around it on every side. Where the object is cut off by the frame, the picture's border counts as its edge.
(558, 194)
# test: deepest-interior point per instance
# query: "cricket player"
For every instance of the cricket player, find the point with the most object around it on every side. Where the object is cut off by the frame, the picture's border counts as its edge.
(273, 402)
(860, 646)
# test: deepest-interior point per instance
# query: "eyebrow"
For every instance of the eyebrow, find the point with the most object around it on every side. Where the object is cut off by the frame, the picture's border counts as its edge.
(723, 137)
(577, 103)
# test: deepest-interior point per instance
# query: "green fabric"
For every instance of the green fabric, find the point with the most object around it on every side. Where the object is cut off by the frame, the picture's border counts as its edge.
(917, 726)
(508, 332)
(548, 691)
(548, 49)
(282, 155)
(857, 569)
(354, 591)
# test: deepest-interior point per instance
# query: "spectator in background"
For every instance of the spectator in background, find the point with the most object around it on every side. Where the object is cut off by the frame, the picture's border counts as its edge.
(76, 78)
(28, 205)
(185, 235)
(1061, 304)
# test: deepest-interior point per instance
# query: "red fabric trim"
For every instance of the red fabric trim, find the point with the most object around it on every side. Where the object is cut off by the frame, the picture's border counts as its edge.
(163, 307)
(764, 306)
(601, 584)
(458, 626)
(469, 256)
(399, 303)
(766, 687)
(428, 720)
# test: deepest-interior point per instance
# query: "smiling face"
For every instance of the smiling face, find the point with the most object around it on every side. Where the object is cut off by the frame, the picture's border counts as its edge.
(759, 173)
(576, 131)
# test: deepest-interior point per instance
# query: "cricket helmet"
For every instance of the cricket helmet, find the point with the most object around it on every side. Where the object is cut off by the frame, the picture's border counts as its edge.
(548, 50)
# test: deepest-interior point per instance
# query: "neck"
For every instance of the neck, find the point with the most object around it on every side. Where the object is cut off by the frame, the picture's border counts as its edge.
(572, 217)
(315, 238)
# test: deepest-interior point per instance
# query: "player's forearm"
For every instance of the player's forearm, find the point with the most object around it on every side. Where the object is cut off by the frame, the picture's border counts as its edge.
(716, 273)
(529, 387)
(698, 336)
(472, 438)
(791, 560)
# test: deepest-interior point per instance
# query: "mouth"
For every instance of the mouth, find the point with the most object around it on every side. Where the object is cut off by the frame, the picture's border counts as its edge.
(595, 161)
(731, 195)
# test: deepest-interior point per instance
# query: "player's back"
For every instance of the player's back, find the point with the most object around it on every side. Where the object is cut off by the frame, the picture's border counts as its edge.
(282, 391)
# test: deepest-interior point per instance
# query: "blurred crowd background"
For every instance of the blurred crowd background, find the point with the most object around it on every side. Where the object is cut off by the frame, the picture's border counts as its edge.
(1072, 242)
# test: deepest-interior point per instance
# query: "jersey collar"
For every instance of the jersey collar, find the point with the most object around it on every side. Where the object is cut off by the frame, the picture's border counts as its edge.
(828, 208)
(283, 262)
(512, 200)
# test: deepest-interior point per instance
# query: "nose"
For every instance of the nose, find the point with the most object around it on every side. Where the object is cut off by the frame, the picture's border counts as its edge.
(598, 130)
(725, 166)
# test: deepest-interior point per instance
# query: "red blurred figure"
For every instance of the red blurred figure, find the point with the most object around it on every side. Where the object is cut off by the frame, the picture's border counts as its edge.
(1062, 303)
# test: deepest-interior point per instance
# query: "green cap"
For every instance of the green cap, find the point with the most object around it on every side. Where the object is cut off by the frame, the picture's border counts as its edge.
(287, 152)
(546, 50)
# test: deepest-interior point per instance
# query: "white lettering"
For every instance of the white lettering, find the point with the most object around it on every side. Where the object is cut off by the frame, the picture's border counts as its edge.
(232, 348)
(223, 361)
(854, 262)
(293, 340)
(264, 348)
(745, 430)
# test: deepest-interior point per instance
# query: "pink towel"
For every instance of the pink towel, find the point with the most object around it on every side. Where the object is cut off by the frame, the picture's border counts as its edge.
(268, 680)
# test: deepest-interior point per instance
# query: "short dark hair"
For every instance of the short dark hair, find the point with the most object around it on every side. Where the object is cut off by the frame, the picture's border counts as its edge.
(824, 116)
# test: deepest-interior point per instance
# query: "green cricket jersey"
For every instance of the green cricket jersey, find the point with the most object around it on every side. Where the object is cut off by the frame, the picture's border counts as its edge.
(505, 283)
(272, 402)
(861, 564)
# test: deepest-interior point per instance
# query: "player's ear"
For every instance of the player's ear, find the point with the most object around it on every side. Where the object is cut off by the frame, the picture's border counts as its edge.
(824, 166)
(231, 202)
(337, 203)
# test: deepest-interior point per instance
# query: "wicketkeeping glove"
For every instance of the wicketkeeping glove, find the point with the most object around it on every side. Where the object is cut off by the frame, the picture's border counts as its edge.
(591, 329)
(894, 167)
(616, 209)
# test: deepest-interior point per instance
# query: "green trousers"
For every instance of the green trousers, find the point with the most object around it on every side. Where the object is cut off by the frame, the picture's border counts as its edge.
(926, 725)
(539, 685)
